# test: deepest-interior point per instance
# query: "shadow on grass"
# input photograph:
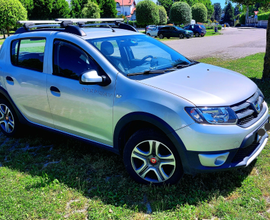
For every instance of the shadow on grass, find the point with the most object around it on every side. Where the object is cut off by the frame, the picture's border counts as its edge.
(99, 174)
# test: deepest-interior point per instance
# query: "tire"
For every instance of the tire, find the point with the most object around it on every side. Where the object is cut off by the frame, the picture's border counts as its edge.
(160, 36)
(181, 36)
(148, 34)
(197, 35)
(142, 158)
(9, 122)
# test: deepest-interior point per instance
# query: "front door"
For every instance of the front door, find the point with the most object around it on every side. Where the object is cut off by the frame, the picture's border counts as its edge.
(82, 110)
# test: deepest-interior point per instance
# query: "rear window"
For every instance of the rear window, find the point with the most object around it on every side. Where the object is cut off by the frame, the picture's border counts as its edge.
(28, 53)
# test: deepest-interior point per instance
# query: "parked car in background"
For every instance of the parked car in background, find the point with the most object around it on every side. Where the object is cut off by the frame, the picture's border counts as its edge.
(153, 32)
(150, 27)
(198, 29)
(174, 31)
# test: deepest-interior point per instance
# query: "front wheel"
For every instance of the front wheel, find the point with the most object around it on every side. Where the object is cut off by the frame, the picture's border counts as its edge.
(197, 35)
(150, 157)
(9, 122)
(181, 36)
(160, 36)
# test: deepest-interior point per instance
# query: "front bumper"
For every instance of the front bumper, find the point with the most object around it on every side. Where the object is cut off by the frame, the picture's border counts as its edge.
(239, 146)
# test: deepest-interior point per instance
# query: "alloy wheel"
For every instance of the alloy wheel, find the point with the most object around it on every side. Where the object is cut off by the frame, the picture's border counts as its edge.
(6, 119)
(153, 161)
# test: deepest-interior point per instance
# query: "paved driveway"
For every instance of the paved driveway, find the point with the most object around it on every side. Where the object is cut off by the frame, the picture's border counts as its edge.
(234, 43)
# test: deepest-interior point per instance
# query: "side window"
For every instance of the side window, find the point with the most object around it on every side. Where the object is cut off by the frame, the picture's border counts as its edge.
(28, 53)
(70, 61)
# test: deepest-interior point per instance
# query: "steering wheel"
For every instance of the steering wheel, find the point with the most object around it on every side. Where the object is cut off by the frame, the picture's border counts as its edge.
(146, 57)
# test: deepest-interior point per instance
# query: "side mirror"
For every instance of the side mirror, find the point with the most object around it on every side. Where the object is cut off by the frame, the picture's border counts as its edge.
(92, 78)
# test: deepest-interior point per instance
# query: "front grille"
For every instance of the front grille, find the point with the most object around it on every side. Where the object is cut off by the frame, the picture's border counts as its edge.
(244, 152)
(246, 111)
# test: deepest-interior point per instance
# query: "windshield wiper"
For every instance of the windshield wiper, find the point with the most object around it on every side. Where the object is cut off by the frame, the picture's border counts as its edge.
(151, 72)
(185, 64)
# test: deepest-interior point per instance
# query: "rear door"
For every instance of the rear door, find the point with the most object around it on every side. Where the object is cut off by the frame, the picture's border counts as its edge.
(25, 78)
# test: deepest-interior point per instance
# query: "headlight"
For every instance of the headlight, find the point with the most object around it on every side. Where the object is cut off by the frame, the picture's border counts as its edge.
(212, 115)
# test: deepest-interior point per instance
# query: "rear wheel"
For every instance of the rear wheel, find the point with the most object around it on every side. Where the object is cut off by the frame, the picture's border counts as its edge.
(181, 36)
(160, 36)
(197, 35)
(150, 157)
(9, 122)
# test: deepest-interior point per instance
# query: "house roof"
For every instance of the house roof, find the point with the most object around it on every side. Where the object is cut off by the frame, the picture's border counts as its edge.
(126, 2)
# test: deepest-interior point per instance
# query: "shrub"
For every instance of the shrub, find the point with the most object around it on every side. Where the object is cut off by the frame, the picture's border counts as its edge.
(242, 18)
(147, 13)
(91, 10)
(162, 15)
(264, 16)
(199, 12)
(180, 13)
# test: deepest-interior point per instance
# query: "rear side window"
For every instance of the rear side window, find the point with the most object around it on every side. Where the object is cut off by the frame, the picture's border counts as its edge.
(28, 53)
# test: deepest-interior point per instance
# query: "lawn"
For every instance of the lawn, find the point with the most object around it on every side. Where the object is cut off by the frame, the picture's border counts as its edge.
(47, 176)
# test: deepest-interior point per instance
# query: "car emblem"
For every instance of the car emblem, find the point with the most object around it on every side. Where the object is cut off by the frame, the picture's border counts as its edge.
(257, 107)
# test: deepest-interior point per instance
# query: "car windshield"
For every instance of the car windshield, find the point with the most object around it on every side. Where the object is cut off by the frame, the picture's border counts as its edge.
(138, 54)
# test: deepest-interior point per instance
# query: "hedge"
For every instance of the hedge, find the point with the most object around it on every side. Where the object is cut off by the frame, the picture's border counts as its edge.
(264, 16)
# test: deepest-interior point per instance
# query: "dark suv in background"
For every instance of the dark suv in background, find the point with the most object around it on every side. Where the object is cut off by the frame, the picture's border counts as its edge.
(198, 29)
(174, 31)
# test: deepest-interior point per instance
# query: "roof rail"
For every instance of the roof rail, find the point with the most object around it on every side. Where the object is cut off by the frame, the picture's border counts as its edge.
(66, 25)
(84, 20)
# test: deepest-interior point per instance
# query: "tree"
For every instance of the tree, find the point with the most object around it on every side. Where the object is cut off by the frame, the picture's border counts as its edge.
(10, 12)
(42, 9)
(91, 10)
(107, 8)
(199, 12)
(28, 5)
(60, 10)
(49, 9)
(147, 13)
(266, 67)
(167, 4)
(76, 8)
(209, 6)
(162, 15)
(229, 14)
(217, 11)
(180, 13)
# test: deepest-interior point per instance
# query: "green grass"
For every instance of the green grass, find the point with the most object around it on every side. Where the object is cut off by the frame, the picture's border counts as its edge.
(212, 33)
(2, 41)
(49, 176)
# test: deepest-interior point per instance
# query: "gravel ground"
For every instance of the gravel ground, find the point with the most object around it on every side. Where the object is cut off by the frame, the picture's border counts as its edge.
(233, 43)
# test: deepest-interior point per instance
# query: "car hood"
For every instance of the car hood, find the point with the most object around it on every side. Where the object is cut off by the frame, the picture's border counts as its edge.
(205, 85)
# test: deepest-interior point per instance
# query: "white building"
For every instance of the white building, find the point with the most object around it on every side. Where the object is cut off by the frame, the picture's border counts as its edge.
(127, 8)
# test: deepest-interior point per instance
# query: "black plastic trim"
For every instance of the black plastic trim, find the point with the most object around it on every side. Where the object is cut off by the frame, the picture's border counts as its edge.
(158, 122)
(20, 116)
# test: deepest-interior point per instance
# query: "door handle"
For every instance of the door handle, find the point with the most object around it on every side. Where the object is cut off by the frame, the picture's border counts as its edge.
(55, 91)
(10, 81)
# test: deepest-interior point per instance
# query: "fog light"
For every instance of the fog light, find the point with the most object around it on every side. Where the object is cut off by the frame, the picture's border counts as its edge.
(213, 160)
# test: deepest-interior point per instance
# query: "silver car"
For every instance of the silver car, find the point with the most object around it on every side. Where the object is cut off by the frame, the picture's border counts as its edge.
(153, 32)
(163, 113)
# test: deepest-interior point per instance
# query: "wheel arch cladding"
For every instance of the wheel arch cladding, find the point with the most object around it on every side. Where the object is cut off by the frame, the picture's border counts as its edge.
(133, 122)
(4, 95)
